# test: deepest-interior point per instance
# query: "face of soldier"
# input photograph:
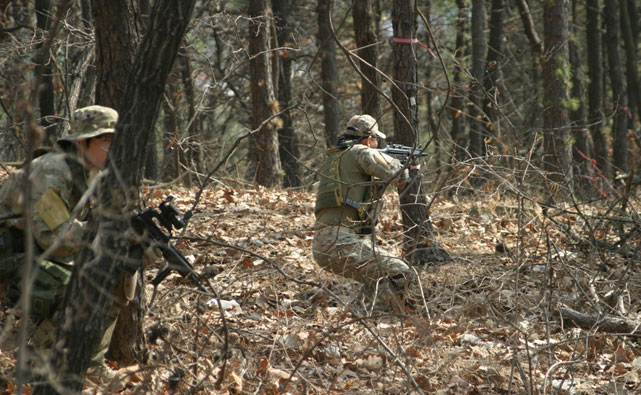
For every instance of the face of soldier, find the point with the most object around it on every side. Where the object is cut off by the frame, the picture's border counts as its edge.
(95, 150)
(371, 142)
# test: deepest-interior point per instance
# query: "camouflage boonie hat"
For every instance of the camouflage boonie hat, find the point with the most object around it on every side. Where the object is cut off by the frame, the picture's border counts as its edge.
(364, 126)
(92, 121)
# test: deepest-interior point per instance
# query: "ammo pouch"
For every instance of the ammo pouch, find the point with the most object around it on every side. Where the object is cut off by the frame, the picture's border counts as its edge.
(48, 289)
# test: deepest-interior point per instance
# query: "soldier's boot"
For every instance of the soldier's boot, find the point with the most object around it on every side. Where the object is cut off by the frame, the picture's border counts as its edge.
(100, 375)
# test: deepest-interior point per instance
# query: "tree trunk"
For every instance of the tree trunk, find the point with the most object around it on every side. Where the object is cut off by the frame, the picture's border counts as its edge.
(287, 139)
(631, 63)
(477, 129)
(45, 92)
(329, 72)
(432, 127)
(264, 105)
(528, 26)
(582, 143)
(619, 98)
(191, 152)
(493, 69)
(595, 87)
(87, 302)
(458, 91)
(117, 36)
(366, 42)
(556, 120)
(128, 345)
(419, 245)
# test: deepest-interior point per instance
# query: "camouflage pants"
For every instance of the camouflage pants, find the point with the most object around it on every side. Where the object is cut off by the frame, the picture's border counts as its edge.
(47, 295)
(340, 251)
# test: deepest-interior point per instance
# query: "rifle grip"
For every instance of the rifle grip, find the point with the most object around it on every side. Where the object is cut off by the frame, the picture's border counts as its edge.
(161, 276)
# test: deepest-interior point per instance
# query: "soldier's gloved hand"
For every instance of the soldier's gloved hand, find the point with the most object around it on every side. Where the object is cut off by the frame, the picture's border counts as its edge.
(151, 255)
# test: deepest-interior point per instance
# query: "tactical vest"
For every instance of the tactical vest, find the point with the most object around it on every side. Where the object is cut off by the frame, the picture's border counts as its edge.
(51, 277)
(345, 192)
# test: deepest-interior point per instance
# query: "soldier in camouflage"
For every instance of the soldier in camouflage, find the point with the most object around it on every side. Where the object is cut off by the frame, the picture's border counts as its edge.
(60, 203)
(347, 205)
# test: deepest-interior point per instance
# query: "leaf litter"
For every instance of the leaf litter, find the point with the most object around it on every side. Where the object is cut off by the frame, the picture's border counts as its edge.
(483, 323)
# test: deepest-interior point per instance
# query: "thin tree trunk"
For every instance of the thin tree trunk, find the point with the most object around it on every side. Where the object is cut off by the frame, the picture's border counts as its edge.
(429, 116)
(595, 87)
(477, 129)
(631, 64)
(556, 121)
(493, 69)
(619, 97)
(582, 146)
(288, 141)
(45, 93)
(170, 137)
(367, 51)
(458, 93)
(419, 246)
(191, 153)
(528, 26)
(87, 301)
(264, 105)
(329, 72)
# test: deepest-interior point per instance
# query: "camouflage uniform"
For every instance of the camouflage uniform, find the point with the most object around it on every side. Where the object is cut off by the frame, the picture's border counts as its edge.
(346, 210)
(59, 179)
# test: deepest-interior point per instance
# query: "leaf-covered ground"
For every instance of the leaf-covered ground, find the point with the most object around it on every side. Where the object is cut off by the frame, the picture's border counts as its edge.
(484, 323)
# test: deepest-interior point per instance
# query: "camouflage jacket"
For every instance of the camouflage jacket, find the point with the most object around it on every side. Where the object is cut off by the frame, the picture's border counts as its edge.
(58, 181)
(347, 192)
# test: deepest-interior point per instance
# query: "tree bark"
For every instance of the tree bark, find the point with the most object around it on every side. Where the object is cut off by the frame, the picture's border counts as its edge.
(582, 143)
(619, 97)
(329, 72)
(287, 139)
(528, 26)
(419, 245)
(96, 273)
(631, 64)
(594, 322)
(190, 154)
(493, 69)
(117, 35)
(477, 129)
(265, 150)
(556, 120)
(432, 127)
(595, 87)
(458, 93)
(45, 92)
(366, 42)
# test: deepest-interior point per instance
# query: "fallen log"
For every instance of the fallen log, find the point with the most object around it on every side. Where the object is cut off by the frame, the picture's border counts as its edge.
(605, 323)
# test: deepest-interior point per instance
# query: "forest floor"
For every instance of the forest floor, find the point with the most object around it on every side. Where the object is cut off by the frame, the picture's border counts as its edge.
(487, 322)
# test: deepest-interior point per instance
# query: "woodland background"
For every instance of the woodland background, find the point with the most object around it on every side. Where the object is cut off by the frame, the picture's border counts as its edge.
(529, 111)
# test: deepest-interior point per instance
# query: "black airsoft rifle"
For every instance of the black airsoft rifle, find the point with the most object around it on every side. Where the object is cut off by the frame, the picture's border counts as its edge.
(398, 151)
(168, 217)
(403, 152)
